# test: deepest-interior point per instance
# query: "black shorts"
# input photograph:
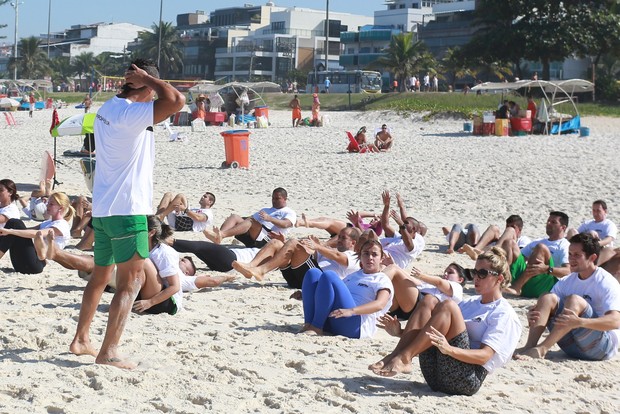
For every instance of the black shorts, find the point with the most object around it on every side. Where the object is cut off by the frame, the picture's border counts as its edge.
(404, 316)
(295, 276)
(168, 306)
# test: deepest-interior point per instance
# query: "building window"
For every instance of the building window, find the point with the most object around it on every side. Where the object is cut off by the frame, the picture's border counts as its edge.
(277, 25)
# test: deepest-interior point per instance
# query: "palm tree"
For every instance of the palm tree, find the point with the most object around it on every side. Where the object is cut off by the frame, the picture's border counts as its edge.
(83, 64)
(108, 65)
(32, 62)
(401, 57)
(454, 65)
(62, 71)
(171, 56)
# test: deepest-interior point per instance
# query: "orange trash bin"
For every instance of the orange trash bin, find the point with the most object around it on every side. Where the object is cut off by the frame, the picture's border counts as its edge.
(237, 148)
(261, 111)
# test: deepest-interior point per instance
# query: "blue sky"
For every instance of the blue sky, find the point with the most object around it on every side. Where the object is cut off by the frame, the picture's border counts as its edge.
(33, 14)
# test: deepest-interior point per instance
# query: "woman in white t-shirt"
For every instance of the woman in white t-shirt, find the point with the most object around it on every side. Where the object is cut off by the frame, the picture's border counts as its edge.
(161, 288)
(16, 238)
(8, 197)
(461, 344)
(419, 293)
(350, 306)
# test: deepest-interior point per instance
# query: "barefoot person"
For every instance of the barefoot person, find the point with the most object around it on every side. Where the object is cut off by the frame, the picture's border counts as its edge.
(254, 231)
(295, 105)
(348, 307)
(182, 218)
(582, 311)
(383, 139)
(461, 344)
(122, 197)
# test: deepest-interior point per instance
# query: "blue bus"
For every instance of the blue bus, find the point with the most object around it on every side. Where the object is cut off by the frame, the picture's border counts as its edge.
(343, 81)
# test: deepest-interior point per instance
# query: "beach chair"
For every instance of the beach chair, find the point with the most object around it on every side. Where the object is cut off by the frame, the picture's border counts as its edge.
(354, 146)
(173, 136)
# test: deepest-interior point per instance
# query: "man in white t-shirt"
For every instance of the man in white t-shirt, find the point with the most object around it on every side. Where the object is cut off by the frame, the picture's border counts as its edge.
(295, 257)
(254, 231)
(582, 312)
(602, 228)
(539, 265)
(182, 218)
(493, 236)
(122, 197)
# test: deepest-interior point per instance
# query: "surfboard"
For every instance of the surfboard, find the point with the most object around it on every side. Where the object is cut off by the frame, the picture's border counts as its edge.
(88, 169)
(48, 168)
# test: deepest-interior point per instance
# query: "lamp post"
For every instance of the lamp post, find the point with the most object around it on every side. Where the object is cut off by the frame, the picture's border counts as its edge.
(16, 7)
(326, 34)
(49, 18)
(161, 7)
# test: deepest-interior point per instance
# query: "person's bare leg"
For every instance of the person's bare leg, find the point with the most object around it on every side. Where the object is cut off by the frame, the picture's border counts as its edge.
(165, 206)
(212, 281)
(331, 225)
(405, 291)
(152, 283)
(453, 237)
(80, 225)
(491, 234)
(40, 245)
(86, 243)
(81, 344)
(281, 259)
(64, 258)
(613, 266)
(129, 277)
(540, 254)
(607, 253)
(416, 322)
(266, 252)
(232, 226)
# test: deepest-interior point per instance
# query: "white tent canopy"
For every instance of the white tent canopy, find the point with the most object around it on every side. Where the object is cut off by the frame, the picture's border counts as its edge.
(568, 86)
(261, 87)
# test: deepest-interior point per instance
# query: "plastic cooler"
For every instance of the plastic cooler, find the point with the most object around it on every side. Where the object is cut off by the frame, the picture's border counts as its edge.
(521, 124)
(261, 111)
(237, 148)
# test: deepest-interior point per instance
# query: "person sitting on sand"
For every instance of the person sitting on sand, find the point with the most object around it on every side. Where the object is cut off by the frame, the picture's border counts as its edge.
(334, 226)
(8, 197)
(383, 139)
(601, 228)
(460, 344)
(458, 236)
(17, 238)
(406, 245)
(411, 291)
(362, 141)
(539, 265)
(295, 257)
(85, 264)
(35, 208)
(254, 231)
(351, 306)
(493, 234)
(582, 311)
(182, 218)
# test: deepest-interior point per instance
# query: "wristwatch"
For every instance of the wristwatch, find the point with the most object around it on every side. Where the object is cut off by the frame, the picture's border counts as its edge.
(550, 270)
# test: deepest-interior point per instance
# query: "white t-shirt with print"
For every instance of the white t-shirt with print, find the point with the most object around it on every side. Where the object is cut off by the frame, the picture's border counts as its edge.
(63, 226)
(277, 213)
(601, 290)
(10, 211)
(400, 254)
(125, 159)
(605, 228)
(166, 260)
(494, 324)
(558, 249)
(457, 291)
(364, 288)
(353, 264)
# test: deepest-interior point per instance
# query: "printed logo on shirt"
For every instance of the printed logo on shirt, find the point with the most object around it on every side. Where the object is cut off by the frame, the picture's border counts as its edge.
(362, 285)
(102, 119)
(587, 298)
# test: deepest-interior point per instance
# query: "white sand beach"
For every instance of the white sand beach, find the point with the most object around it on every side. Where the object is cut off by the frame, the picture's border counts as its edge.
(233, 349)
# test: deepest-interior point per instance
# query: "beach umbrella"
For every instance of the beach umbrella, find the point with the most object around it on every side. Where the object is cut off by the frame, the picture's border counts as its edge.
(55, 120)
(81, 124)
(8, 103)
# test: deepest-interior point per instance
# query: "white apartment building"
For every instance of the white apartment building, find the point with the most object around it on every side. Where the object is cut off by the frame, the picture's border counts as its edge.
(293, 38)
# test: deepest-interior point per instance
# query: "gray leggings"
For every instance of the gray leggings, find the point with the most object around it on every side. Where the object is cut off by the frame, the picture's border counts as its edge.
(451, 376)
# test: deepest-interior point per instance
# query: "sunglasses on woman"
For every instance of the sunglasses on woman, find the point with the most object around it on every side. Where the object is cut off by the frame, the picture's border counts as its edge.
(482, 273)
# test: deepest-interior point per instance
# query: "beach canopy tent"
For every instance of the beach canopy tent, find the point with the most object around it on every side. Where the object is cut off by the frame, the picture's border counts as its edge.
(8, 103)
(237, 94)
(554, 93)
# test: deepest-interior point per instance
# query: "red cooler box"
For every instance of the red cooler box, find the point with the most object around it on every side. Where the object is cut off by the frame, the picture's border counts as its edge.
(215, 117)
(521, 124)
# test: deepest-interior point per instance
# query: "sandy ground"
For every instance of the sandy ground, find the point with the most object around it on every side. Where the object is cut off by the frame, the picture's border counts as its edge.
(234, 348)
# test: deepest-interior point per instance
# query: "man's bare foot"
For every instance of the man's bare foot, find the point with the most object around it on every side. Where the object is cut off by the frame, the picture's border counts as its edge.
(536, 352)
(115, 361)
(51, 246)
(302, 222)
(512, 291)
(78, 347)
(470, 251)
(214, 235)
(393, 367)
(247, 271)
(445, 231)
(40, 246)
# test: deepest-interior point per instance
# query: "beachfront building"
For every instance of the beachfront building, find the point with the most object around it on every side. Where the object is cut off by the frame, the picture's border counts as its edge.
(293, 38)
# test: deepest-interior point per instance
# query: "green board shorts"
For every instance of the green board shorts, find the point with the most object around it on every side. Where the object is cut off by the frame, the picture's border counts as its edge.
(119, 238)
(537, 285)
